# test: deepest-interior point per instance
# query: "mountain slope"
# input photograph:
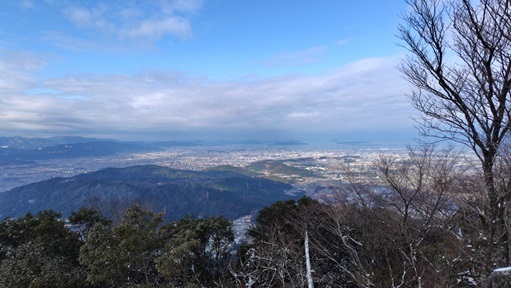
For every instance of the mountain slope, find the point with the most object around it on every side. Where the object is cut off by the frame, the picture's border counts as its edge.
(278, 167)
(178, 192)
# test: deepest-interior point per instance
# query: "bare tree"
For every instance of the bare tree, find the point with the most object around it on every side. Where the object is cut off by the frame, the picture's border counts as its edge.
(397, 231)
(276, 261)
(459, 64)
(275, 257)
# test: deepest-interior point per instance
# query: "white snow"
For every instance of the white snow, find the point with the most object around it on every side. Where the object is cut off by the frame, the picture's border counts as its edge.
(503, 269)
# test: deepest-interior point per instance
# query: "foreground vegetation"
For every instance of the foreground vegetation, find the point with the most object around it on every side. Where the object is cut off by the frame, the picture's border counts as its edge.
(139, 251)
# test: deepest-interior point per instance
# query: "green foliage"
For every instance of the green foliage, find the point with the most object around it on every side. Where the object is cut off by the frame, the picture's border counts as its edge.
(124, 254)
(141, 251)
(88, 217)
(283, 215)
(85, 218)
(198, 252)
(39, 251)
(43, 229)
(347, 242)
(31, 266)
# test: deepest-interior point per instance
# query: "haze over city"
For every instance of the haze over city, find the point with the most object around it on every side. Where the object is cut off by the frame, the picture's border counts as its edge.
(313, 71)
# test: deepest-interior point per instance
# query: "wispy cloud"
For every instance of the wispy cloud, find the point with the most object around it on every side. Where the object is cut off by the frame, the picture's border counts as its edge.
(367, 93)
(16, 70)
(302, 57)
(94, 17)
(68, 42)
(26, 4)
(134, 21)
(293, 58)
(154, 29)
(344, 41)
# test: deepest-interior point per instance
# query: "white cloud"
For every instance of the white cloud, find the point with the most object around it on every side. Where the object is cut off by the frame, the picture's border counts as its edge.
(365, 94)
(80, 16)
(89, 18)
(16, 70)
(136, 20)
(155, 29)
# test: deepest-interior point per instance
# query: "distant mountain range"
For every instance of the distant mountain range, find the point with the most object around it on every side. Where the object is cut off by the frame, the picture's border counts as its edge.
(24, 150)
(27, 143)
(178, 192)
(71, 150)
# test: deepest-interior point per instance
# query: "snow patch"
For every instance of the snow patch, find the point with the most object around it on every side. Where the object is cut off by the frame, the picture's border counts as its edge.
(503, 269)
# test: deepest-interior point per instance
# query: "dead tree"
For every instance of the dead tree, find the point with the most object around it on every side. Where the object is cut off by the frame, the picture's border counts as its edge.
(459, 65)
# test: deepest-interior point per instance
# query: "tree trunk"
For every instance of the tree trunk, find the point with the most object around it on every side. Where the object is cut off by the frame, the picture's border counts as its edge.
(310, 283)
(498, 254)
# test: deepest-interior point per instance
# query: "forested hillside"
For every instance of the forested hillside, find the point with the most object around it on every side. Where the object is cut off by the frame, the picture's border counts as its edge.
(177, 192)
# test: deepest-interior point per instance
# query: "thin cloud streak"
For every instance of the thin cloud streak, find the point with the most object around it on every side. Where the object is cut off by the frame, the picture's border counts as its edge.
(294, 58)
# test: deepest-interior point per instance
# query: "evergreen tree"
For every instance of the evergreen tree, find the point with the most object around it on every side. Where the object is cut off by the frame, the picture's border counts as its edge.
(124, 255)
(39, 251)
(198, 252)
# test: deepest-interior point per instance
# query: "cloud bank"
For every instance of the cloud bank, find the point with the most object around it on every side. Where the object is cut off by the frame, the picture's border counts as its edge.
(366, 95)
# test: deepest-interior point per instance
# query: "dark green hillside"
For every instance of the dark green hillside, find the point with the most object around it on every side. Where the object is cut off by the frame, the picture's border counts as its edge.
(233, 169)
(178, 192)
(279, 167)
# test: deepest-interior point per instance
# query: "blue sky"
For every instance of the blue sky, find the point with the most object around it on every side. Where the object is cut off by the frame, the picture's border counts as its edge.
(210, 70)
